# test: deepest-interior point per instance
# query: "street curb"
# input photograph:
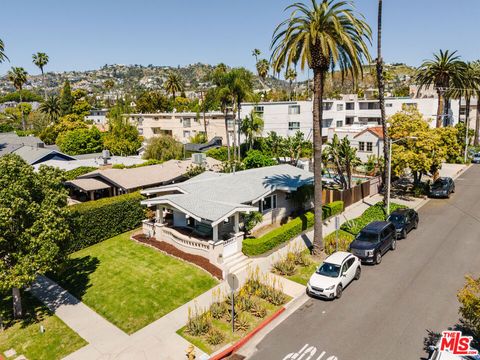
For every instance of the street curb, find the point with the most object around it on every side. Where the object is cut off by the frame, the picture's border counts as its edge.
(229, 351)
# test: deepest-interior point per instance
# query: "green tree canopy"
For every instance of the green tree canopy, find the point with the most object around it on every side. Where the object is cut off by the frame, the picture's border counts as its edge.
(256, 159)
(66, 123)
(80, 141)
(66, 99)
(163, 147)
(122, 137)
(153, 101)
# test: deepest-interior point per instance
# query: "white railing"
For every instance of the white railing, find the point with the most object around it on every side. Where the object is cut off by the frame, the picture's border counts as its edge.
(148, 227)
(185, 240)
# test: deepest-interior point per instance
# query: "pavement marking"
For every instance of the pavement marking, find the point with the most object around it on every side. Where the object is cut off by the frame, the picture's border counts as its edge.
(309, 353)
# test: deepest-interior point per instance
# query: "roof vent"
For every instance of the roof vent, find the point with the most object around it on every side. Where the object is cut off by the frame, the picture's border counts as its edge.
(199, 158)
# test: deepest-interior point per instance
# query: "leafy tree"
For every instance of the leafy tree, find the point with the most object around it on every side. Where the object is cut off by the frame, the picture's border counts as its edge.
(81, 106)
(445, 68)
(34, 227)
(51, 108)
(209, 102)
(6, 128)
(291, 76)
(273, 143)
(163, 148)
(66, 123)
(3, 57)
(198, 138)
(295, 146)
(19, 96)
(174, 84)
(40, 60)
(448, 139)
(256, 159)
(80, 141)
(153, 101)
(469, 298)
(194, 170)
(220, 153)
(122, 137)
(18, 76)
(250, 220)
(66, 99)
(326, 35)
(252, 126)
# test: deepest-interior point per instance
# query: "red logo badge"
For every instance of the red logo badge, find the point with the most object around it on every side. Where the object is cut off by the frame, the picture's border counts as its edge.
(455, 343)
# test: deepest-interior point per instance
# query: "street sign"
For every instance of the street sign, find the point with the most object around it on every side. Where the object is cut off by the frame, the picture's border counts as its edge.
(232, 280)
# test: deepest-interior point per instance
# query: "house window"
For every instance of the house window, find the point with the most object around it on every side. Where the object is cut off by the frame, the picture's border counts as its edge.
(268, 203)
(339, 107)
(350, 106)
(293, 125)
(369, 105)
(339, 123)
(361, 146)
(293, 109)
(258, 110)
(388, 105)
(326, 123)
(327, 106)
(369, 147)
(187, 123)
(186, 134)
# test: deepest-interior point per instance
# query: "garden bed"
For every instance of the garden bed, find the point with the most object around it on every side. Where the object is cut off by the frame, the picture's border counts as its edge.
(211, 329)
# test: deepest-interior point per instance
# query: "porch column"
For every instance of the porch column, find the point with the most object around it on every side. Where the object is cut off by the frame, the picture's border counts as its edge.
(159, 214)
(236, 221)
(92, 195)
(215, 233)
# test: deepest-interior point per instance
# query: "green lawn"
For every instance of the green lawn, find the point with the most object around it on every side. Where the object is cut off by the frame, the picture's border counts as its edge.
(303, 274)
(25, 337)
(129, 284)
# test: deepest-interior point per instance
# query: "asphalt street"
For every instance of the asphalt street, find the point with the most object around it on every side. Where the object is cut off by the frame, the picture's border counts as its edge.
(389, 312)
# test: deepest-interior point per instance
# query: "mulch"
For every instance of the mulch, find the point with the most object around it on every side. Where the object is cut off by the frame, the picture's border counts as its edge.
(172, 250)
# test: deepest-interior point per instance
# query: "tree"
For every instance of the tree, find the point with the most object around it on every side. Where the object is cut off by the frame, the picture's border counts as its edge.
(445, 68)
(66, 99)
(252, 126)
(256, 53)
(329, 34)
(263, 66)
(274, 142)
(469, 298)
(65, 123)
(290, 76)
(18, 76)
(122, 137)
(294, 146)
(256, 159)
(80, 141)
(173, 84)
(51, 108)
(153, 101)
(34, 227)
(475, 66)
(209, 102)
(3, 57)
(40, 59)
(108, 85)
(163, 148)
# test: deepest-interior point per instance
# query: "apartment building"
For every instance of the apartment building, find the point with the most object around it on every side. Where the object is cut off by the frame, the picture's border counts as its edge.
(183, 125)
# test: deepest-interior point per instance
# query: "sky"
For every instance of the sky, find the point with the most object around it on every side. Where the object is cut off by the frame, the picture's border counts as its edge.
(87, 34)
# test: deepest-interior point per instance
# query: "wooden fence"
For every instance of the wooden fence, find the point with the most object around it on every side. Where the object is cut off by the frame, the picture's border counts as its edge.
(353, 195)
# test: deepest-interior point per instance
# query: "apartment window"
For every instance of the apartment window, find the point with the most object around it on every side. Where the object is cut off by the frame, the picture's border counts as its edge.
(293, 125)
(339, 123)
(369, 105)
(268, 203)
(388, 105)
(186, 134)
(258, 110)
(327, 106)
(349, 120)
(369, 147)
(230, 123)
(293, 109)
(361, 146)
(326, 123)
(339, 107)
(350, 106)
(187, 122)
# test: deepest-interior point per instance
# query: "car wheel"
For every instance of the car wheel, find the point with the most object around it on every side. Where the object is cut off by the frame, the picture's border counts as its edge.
(358, 272)
(378, 258)
(415, 226)
(404, 234)
(394, 245)
(339, 291)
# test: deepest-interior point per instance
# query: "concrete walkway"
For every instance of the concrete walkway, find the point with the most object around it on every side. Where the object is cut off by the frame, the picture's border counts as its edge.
(159, 340)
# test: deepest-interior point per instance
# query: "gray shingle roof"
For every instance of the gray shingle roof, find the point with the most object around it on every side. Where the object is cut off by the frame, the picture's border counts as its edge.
(33, 154)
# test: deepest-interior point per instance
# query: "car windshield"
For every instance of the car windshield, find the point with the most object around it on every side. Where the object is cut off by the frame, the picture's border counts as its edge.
(396, 219)
(367, 236)
(439, 184)
(330, 270)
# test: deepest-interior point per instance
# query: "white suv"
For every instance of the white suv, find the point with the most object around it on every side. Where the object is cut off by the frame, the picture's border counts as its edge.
(337, 271)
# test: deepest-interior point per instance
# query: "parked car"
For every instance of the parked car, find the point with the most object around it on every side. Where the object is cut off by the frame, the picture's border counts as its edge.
(404, 220)
(333, 275)
(373, 241)
(442, 187)
(476, 158)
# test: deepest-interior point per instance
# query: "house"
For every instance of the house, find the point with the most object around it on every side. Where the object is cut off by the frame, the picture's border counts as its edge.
(369, 142)
(204, 215)
(112, 182)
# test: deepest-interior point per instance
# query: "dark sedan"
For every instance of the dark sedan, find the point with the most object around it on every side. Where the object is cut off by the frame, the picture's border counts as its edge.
(442, 188)
(404, 221)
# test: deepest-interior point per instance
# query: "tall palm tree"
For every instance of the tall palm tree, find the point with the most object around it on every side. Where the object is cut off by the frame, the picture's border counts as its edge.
(51, 108)
(445, 68)
(263, 67)
(290, 76)
(108, 85)
(328, 34)
(18, 77)
(252, 126)
(173, 84)
(3, 57)
(256, 53)
(40, 59)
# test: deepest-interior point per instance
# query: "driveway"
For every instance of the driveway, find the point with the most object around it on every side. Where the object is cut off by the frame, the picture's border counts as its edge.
(394, 306)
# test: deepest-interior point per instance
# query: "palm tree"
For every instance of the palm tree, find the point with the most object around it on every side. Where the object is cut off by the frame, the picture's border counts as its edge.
(51, 108)
(290, 76)
(108, 85)
(256, 53)
(445, 68)
(173, 84)
(263, 67)
(3, 57)
(18, 76)
(326, 35)
(476, 70)
(40, 59)
(252, 126)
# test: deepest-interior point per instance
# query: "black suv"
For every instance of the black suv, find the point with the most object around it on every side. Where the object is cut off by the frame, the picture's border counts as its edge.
(404, 221)
(442, 187)
(373, 241)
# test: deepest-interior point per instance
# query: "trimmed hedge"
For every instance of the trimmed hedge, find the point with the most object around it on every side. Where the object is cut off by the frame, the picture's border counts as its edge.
(373, 213)
(95, 221)
(284, 233)
(344, 241)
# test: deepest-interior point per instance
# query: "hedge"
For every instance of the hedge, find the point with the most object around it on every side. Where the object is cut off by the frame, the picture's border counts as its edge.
(95, 221)
(344, 241)
(82, 170)
(258, 246)
(373, 213)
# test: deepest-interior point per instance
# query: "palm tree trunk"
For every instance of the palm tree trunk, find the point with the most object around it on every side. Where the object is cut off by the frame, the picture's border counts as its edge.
(239, 105)
(44, 85)
(439, 110)
(318, 78)
(227, 135)
(17, 303)
(381, 99)
(459, 107)
(24, 124)
(477, 122)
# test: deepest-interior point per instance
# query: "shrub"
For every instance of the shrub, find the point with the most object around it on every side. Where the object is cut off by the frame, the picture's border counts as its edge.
(82, 170)
(218, 310)
(258, 310)
(241, 322)
(198, 324)
(219, 153)
(251, 219)
(215, 336)
(95, 221)
(284, 266)
(277, 297)
(344, 241)
(332, 209)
